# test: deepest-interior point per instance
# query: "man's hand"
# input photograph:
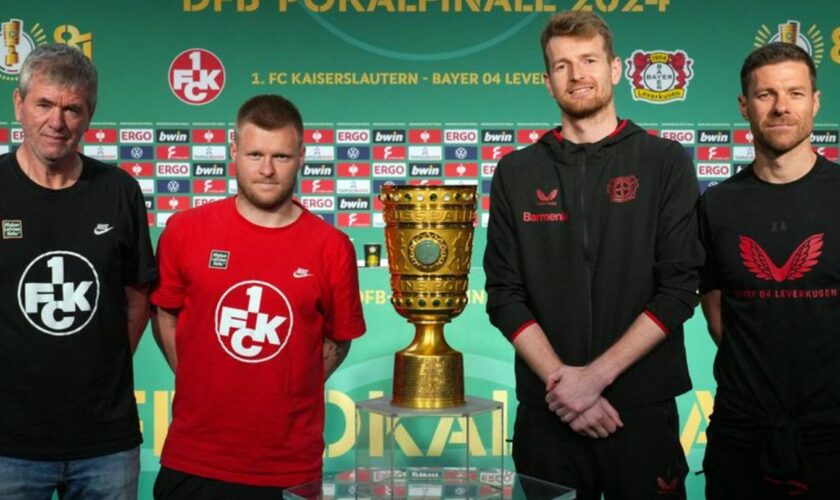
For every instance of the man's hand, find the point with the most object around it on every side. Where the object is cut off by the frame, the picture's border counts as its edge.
(571, 390)
(334, 354)
(599, 421)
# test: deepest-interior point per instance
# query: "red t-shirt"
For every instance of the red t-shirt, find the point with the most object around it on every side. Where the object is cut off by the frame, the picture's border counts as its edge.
(255, 305)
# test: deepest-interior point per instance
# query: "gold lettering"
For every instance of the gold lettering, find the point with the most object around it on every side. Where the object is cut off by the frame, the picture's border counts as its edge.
(348, 438)
(444, 5)
(311, 5)
(404, 440)
(583, 6)
(477, 297)
(632, 7)
(604, 7)
(68, 34)
(189, 6)
(161, 401)
(217, 5)
(388, 5)
(700, 413)
(835, 49)
(503, 4)
(467, 435)
(500, 418)
(357, 7)
(140, 397)
(439, 438)
(376, 429)
(474, 5)
(659, 57)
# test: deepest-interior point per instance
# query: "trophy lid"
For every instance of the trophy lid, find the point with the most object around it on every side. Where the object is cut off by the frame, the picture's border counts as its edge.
(421, 195)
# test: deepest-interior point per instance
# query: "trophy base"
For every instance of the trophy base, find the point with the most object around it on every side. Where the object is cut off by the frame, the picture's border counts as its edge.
(428, 381)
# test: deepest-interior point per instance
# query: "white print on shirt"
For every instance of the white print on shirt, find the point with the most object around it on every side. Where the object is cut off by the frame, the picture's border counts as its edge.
(101, 229)
(58, 292)
(253, 321)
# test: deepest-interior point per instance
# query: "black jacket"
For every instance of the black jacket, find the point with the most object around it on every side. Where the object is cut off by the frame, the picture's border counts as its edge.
(583, 238)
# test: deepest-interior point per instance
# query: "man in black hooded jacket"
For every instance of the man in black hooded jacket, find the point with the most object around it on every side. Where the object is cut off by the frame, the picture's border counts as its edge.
(592, 266)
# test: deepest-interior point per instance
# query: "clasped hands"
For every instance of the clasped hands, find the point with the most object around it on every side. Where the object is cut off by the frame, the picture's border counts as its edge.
(573, 393)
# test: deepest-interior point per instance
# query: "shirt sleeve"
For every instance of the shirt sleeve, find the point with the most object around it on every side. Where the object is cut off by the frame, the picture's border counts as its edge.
(345, 320)
(170, 289)
(139, 263)
(679, 255)
(506, 294)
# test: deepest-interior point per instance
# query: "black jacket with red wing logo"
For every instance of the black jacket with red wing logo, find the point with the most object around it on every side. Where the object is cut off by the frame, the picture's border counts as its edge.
(582, 239)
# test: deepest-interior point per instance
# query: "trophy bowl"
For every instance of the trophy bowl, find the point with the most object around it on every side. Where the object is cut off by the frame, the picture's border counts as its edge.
(429, 237)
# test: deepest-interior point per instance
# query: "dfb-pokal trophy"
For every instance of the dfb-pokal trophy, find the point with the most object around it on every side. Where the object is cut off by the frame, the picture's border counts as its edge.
(429, 238)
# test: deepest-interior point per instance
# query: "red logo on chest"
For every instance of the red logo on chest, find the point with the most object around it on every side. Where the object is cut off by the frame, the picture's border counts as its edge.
(623, 189)
(547, 198)
(800, 262)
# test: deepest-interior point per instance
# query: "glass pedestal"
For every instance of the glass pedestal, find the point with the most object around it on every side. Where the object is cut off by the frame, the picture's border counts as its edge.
(449, 453)
(425, 453)
(513, 487)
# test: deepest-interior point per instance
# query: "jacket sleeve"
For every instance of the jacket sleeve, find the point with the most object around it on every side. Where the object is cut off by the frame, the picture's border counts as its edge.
(679, 254)
(506, 295)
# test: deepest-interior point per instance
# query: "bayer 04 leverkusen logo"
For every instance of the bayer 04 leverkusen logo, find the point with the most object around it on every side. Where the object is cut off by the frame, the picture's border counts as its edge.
(196, 76)
(58, 292)
(659, 76)
(253, 321)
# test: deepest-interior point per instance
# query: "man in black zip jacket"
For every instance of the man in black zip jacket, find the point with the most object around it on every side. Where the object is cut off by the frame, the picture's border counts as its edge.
(592, 267)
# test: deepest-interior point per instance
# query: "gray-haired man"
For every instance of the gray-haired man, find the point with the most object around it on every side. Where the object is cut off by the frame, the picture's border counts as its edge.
(74, 275)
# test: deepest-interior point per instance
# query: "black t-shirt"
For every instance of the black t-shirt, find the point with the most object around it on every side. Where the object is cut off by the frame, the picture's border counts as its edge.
(774, 252)
(66, 256)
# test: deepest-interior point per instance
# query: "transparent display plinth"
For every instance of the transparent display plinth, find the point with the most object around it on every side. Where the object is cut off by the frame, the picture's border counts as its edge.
(509, 486)
(454, 452)
(449, 453)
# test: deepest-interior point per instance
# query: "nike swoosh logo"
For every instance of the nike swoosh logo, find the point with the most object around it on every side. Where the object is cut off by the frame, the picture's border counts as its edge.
(100, 230)
(301, 273)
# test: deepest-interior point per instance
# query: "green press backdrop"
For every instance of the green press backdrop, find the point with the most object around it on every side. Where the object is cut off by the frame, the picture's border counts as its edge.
(403, 91)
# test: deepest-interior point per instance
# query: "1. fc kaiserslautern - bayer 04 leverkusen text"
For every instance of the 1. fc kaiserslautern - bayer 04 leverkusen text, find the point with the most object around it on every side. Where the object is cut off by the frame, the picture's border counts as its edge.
(395, 78)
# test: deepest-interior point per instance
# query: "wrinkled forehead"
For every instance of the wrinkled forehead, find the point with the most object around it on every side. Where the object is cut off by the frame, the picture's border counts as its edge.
(44, 84)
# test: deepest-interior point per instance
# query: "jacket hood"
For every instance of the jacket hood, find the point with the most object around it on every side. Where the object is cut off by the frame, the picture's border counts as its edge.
(555, 140)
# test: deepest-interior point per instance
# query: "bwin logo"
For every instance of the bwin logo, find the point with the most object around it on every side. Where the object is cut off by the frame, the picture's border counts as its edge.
(58, 292)
(253, 321)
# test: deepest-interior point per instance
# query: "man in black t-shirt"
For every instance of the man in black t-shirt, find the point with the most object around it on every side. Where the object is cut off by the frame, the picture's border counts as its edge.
(74, 275)
(771, 296)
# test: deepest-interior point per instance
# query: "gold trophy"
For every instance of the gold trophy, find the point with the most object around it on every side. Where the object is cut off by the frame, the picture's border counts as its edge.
(429, 236)
(11, 39)
(789, 32)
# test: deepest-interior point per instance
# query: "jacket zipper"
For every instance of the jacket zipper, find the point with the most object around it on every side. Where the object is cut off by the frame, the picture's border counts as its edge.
(587, 261)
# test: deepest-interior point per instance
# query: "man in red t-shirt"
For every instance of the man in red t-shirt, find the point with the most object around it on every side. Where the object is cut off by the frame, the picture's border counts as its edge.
(257, 303)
